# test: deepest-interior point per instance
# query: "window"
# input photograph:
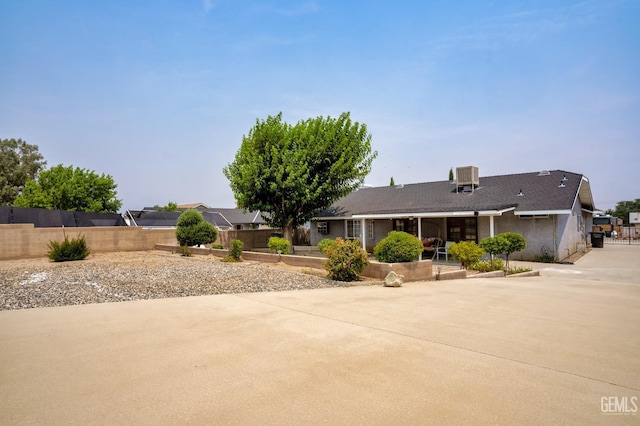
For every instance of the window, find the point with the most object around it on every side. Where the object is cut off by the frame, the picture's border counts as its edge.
(323, 228)
(370, 230)
(353, 229)
(462, 229)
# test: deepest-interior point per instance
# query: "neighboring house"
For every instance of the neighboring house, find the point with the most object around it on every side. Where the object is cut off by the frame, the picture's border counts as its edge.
(44, 218)
(223, 219)
(150, 218)
(553, 210)
(239, 219)
(198, 206)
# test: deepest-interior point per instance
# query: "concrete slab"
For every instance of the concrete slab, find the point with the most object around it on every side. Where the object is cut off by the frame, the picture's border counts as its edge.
(535, 350)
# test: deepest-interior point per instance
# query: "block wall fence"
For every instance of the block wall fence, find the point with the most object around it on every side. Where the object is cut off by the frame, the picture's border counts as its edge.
(20, 241)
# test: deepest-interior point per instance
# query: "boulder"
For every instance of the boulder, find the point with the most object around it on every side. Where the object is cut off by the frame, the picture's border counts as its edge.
(393, 280)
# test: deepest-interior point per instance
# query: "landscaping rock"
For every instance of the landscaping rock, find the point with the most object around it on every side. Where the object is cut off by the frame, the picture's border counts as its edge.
(393, 279)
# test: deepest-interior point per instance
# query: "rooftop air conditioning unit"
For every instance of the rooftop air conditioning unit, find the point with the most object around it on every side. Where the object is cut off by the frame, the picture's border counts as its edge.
(467, 177)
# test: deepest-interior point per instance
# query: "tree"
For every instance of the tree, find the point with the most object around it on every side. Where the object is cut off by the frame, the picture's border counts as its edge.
(171, 206)
(515, 242)
(623, 208)
(392, 182)
(193, 230)
(494, 246)
(69, 188)
(505, 243)
(451, 174)
(291, 172)
(19, 163)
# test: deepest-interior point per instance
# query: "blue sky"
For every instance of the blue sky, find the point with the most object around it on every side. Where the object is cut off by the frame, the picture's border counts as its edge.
(158, 94)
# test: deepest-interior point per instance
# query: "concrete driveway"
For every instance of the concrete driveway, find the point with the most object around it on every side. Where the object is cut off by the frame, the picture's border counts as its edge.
(562, 348)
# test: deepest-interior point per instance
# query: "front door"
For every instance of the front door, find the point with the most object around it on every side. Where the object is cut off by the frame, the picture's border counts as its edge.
(462, 229)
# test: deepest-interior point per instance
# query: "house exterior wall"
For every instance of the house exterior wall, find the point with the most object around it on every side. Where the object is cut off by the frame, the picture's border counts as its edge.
(538, 232)
(559, 235)
(573, 232)
(337, 229)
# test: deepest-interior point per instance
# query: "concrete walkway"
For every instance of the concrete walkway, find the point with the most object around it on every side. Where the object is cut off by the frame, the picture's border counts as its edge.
(562, 348)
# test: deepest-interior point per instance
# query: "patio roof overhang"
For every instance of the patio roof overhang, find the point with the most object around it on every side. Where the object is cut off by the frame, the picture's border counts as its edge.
(462, 213)
(541, 212)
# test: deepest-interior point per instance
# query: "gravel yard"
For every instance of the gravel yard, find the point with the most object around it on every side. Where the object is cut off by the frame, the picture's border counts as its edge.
(116, 277)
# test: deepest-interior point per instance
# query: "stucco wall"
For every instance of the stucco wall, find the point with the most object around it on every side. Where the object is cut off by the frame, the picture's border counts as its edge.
(337, 230)
(25, 241)
(537, 232)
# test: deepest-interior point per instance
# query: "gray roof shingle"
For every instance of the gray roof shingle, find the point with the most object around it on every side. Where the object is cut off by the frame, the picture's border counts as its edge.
(541, 192)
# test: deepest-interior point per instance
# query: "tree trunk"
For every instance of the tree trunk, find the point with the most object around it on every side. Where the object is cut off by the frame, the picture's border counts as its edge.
(287, 232)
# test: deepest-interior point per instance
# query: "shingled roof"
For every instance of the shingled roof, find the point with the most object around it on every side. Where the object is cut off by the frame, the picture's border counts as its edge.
(239, 216)
(547, 192)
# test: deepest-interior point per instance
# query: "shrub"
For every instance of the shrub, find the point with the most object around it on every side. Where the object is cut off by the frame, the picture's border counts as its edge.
(193, 230)
(279, 245)
(186, 251)
(327, 242)
(398, 246)
(217, 246)
(487, 265)
(345, 259)
(76, 249)
(235, 251)
(518, 270)
(467, 252)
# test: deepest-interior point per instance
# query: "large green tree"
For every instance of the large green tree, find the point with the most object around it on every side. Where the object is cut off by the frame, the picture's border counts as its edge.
(623, 208)
(289, 172)
(69, 188)
(19, 163)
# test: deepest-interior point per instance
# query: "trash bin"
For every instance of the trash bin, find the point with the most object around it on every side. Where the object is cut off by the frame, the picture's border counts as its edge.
(597, 239)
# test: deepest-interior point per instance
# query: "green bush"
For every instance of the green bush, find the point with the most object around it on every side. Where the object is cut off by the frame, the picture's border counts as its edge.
(518, 270)
(217, 246)
(76, 249)
(279, 244)
(327, 242)
(186, 251)
(487, 266)
(235, 251)
(345, 259)
(398, 246)
(467, 252)
(193, 230)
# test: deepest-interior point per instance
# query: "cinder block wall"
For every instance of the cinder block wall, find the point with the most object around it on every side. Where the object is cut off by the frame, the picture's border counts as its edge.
(25, 241)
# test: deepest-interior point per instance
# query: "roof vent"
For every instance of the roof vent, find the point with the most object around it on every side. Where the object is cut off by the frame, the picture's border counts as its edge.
(544, 173)
(400, 185)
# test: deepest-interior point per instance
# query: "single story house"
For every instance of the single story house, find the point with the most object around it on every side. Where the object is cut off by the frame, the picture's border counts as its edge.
(552, 209)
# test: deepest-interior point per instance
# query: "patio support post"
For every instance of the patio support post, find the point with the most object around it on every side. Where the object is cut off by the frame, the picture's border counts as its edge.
(363, 232)
(491, 231)
(419, 233)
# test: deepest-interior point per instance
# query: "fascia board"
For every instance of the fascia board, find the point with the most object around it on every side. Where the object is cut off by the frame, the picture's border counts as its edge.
(541, 212)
